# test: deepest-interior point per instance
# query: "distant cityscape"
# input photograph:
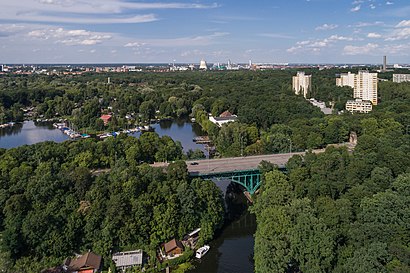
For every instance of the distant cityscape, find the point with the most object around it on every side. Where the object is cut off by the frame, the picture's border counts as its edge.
(74, 69)
(364, 83)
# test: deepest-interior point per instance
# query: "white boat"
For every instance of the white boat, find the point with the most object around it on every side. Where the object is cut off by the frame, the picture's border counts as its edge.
(202, 251)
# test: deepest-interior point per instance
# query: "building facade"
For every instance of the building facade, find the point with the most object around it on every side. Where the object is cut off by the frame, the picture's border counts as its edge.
(359, 106)
(302, 83)
(364, 85)
(401, 78)
(346, 79)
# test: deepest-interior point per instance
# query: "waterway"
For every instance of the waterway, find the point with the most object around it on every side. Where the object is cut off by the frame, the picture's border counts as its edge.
(30, 132)
(231, 250)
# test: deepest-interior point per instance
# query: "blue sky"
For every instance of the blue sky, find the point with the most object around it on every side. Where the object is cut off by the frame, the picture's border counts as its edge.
(131, 31)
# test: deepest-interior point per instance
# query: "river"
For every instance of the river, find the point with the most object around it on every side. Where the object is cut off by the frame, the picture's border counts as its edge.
(231, 250)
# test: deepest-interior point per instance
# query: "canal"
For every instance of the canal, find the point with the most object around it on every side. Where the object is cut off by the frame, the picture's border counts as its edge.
(231, 250)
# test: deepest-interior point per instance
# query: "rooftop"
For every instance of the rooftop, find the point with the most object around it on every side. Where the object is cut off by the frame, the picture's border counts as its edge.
(129, 258)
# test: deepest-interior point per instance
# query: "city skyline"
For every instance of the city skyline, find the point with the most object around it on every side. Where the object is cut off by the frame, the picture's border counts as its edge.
(120, 31)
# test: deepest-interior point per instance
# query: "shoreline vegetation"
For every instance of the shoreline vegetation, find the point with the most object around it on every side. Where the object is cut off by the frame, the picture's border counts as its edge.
(337, 211)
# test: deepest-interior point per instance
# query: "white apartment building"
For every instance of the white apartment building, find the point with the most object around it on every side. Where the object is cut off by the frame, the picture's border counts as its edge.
(346, 79)
(302, 83)
(364, 85)
(401, 78)
(359, 106)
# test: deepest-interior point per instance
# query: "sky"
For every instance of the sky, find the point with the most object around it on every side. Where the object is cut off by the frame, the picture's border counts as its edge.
(264, 31)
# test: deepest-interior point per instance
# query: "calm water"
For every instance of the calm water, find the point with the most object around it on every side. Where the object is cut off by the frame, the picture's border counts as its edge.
(28, 133)
(232, 249)
(31, 133)
(182, 130)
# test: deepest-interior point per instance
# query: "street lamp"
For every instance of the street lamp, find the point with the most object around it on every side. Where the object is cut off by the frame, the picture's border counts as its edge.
(241, 145)
(290, 145)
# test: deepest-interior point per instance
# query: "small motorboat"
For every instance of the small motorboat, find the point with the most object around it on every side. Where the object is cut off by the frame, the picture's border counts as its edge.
(202, 251)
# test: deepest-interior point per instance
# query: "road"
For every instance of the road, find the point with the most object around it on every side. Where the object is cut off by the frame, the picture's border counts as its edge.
(228, 164)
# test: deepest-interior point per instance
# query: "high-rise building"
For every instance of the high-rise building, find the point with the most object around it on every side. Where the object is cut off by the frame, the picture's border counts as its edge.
(302, 83)
(202, 65)
(346, 79)
(384, 63)
(364, 85)
(401, 78)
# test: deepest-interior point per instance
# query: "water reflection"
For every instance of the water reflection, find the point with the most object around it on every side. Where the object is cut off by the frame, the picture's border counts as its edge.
(181, 130)
(29, 133)
(232, 250)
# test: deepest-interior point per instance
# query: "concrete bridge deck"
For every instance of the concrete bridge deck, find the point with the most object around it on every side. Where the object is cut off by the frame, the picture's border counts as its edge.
(230, 164)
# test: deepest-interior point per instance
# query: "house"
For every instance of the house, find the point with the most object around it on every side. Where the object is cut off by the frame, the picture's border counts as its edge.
(124, 260)
(87, 263)
(173, 247)
(223, 118)
(106, 118)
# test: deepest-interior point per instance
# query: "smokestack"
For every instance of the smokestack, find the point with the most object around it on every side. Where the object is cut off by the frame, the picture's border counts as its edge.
(384, 63)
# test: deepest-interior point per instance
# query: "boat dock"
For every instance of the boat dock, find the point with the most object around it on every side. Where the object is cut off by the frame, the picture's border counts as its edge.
(201, 140)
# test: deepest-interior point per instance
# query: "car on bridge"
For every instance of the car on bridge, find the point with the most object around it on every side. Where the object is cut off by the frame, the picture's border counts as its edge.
(194, 163)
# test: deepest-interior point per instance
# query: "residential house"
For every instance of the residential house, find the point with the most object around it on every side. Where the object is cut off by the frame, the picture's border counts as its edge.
(223, 118)
(173, 247)
(124, 260)
(106, 119)
(87, 263)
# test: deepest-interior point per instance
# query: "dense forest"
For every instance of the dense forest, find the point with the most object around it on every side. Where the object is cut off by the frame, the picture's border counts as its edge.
(56, 203)
(271, 117)
(339, 211)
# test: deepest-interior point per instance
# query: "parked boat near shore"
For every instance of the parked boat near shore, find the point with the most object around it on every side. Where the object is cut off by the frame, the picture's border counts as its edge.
(202, 251)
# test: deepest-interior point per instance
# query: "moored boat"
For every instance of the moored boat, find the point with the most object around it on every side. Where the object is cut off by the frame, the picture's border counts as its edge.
(202, 251)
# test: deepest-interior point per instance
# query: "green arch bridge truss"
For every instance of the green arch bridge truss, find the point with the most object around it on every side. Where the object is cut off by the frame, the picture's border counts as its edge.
(249, 179)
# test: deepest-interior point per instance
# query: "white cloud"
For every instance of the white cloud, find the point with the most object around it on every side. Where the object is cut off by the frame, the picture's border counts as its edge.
(80, 11)
(361, 50)
(356, 2)
(389, 3)
(134, 44)
(69, 37)
(355, 9)
(31, 17)
(318, 44)
(326, 27)
(404, 23)
(368, 24)
(374, 35)
(399, 34)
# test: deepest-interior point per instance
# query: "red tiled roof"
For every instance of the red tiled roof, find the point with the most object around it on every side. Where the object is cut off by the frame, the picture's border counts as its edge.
(225, 114)
(105, 117)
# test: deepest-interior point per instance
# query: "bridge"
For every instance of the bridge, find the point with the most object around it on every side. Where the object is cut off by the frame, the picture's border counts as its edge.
(240, 170)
